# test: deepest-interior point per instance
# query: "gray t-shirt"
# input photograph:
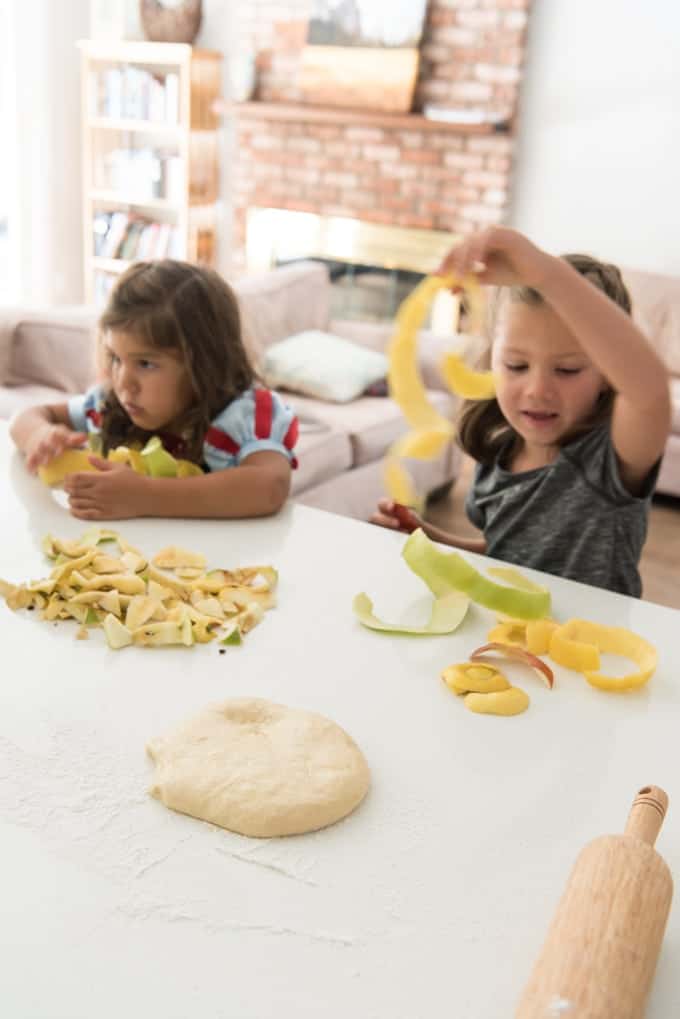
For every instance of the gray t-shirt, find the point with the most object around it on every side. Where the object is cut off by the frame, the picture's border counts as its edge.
(573, 518)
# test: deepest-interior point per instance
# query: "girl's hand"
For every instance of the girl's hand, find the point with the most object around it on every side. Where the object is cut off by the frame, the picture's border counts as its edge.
(113, 492)
(501, 257)
(395, 516)
(49, 441)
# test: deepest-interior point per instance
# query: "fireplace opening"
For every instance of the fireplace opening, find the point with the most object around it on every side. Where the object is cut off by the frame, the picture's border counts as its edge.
(373, 267)
(360, 291)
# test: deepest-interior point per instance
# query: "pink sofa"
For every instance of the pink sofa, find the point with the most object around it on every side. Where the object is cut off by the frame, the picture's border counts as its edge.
(45, 355)
(656, 306)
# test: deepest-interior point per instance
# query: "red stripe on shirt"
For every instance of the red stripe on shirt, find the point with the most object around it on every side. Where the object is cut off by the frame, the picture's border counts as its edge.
(94, 416)
(263, 413)
(221, 440)
(291, 436)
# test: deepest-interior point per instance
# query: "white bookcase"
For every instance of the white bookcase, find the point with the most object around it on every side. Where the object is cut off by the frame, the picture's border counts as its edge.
(149, 156)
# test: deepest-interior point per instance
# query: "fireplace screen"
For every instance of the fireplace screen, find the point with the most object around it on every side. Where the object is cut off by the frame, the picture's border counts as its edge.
(373, 267)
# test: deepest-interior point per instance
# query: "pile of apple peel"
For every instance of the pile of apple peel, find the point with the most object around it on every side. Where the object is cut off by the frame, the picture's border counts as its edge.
(485, 690)
(171, 599)
(577, 645)
(430, 430)
(153, 460)
(454, 584)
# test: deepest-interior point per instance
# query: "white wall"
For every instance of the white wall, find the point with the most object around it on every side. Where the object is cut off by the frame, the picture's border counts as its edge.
(598, 165)
(45, 218)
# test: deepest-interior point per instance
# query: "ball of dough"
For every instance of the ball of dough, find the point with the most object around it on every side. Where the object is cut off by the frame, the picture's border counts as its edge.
(260, 769)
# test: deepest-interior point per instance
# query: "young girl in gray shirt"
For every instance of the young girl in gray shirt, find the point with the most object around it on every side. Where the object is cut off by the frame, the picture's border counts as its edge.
(568, 450)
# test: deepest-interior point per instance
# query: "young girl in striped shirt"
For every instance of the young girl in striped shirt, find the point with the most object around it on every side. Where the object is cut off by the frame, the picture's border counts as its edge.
(174, 365)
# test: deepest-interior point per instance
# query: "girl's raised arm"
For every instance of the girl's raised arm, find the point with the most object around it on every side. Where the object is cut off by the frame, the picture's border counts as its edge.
(641, 417)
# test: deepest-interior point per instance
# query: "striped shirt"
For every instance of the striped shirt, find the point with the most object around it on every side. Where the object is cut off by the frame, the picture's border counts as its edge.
(255, 421)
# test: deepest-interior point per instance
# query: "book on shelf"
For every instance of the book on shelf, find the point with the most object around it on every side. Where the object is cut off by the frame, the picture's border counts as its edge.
(133, 93)
(172, 98)
(128, 248)
(101, 224)
(112, 93)
(116, 234)
(146, 242)
(176, 247)
(163, 240)
(120, 235)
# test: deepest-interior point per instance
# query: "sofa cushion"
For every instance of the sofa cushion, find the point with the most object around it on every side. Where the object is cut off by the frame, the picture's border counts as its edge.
(321, 365)
(432, 347)
(54, 348)
(373, 422)
(282, 302)
(322, 453)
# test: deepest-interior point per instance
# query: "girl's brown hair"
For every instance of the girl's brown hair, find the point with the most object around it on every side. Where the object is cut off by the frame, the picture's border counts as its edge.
(482, 428)
(190, 309)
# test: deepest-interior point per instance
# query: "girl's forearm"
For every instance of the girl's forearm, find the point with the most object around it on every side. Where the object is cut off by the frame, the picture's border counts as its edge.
(608, 335)
(25, 424)
(446, 538)
(237, 492)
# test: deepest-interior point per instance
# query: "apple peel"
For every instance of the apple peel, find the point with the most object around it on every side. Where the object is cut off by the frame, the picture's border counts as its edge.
(581, 634)
(448, 612)
(444, 571)
(149, 608)
(153, 460)
(465, 381)
(504, 702)
(516, 653)
(430, 429)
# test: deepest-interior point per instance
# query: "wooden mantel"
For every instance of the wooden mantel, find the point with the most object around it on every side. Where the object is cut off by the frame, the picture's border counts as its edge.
(374, 118)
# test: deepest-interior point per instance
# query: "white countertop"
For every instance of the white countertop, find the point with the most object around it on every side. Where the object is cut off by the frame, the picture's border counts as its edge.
(431, 900)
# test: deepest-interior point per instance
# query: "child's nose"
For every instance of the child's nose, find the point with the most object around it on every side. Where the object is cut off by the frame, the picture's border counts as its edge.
(127, 379)
(540, 384)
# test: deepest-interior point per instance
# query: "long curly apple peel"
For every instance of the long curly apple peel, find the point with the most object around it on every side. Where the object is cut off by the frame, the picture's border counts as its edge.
(517, 653)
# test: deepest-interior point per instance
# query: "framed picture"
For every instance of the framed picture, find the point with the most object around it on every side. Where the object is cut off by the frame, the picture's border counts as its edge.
(363, 54)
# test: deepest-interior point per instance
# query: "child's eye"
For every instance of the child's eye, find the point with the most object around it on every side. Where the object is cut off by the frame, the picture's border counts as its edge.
(519, 367)
(568, 371)
(143, 363)
(113, 358)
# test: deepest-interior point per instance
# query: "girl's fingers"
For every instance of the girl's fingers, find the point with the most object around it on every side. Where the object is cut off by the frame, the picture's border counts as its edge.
(76, 438)
(85, 514)
(79, 482)
(383, 521)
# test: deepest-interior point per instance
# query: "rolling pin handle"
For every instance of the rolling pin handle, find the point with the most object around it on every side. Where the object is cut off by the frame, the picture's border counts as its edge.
(647, 814)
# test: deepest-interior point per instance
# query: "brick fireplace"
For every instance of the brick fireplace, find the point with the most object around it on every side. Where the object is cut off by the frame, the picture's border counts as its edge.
(401, 170)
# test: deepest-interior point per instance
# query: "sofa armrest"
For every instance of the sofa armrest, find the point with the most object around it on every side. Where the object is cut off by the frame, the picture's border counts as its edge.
(52, 347)
(432, 347)
(7, 326)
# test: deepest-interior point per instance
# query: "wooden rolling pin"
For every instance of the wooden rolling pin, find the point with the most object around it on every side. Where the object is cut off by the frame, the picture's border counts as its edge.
(599, 957)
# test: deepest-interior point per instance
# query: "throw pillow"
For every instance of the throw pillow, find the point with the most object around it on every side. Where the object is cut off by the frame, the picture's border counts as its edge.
(324, 366)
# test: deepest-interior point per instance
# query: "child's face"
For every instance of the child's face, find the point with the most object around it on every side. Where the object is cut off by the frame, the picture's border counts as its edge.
(151, 384)
(545, 384)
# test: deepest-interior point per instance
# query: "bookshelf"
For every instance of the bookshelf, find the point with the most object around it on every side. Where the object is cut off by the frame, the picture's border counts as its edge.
(149, 156)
